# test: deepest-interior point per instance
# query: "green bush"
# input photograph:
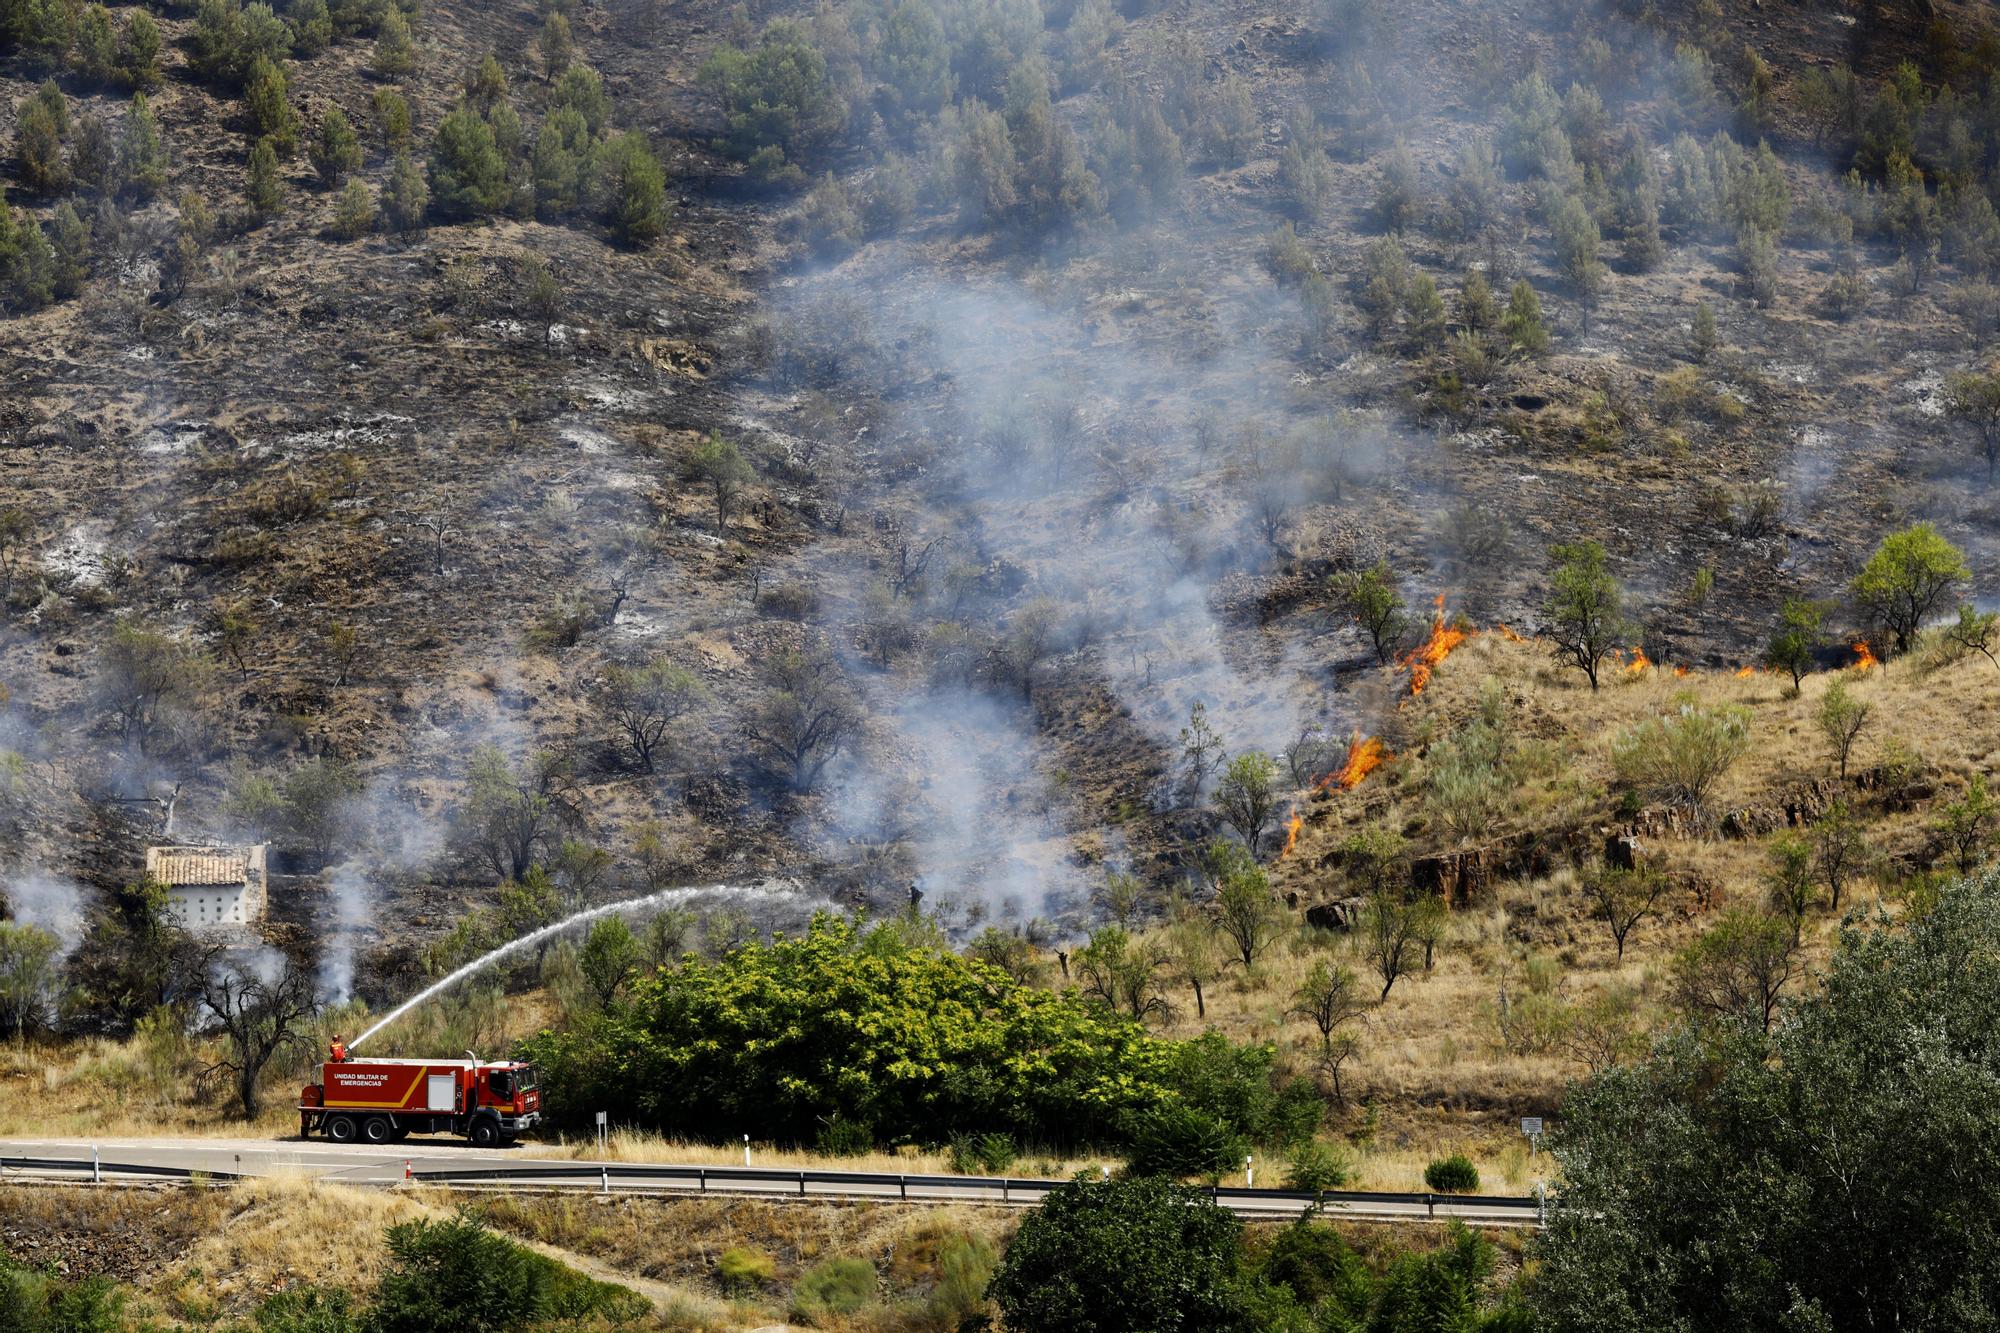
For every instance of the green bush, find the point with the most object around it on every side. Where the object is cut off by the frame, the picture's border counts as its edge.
(1123, 1256)
(1316, 1265)
(976, 1154)
(452, 1274)
(1175, 1139)
(1452, 1175)
(835, 1287)
(740, 1269)
(33, 1302)
(308, 1310)
(840, 1137)
(1316, 1167)
(965, 1266)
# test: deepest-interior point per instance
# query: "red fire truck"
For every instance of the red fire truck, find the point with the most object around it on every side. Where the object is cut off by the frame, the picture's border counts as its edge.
(381, 1101)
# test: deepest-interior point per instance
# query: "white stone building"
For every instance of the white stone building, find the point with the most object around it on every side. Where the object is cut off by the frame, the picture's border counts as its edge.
(211, 888)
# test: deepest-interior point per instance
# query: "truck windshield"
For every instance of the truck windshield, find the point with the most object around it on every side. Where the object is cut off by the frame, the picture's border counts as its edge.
(526, 1073)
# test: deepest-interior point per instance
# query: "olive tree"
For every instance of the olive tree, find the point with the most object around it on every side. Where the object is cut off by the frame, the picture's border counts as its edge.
(718, 464)
(262, 1006)
(1623, 898)
(644, 701)
(807, 716)
(1974, 399)
(1841, 719)
(513, 814)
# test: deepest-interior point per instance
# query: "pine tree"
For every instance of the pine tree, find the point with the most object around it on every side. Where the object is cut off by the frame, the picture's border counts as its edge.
(565, 163)
(69, 239)
(408, 197)
(142, 156)
(395, 50)
(312, 27)
(38, 147)
(468, 177)
(556, 46)
(263, 188)
(1522, 324)
(335, 149)
(390, 111)
(638, 205)
(354, 211)
(139, 51)
(265, 90)
(1701, 343)
(96, 44)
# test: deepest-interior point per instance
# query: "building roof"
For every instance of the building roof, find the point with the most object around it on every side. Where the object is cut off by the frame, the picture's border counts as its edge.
(182, 866)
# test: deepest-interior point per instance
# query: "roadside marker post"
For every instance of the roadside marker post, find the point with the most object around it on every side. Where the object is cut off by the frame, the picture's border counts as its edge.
(603, 1132)
(746, 1150)
(96, 1172)
(406, 1169)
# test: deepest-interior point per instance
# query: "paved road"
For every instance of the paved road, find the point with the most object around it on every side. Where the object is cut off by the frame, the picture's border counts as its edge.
(361, 1164)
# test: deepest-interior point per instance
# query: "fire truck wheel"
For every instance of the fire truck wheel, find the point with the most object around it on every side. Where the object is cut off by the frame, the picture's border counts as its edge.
(377, 1129)
(402, 1132)
(485, 1133)
(340, 1128)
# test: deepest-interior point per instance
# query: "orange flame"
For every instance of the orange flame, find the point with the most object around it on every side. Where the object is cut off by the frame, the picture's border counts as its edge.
(1365, 754)
(1640, 662)
(1863, 659)
(1745, 673)
(1292, 827)
(1424, 658)
(1507, 632)
(1683, 671)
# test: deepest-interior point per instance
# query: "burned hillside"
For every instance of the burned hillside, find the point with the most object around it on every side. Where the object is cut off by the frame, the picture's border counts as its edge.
(516, 456)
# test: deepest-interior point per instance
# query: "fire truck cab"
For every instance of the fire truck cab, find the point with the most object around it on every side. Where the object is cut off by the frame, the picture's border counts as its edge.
(383, 1101)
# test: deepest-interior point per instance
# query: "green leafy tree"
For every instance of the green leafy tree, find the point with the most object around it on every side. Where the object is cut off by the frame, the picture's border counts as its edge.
(1370, 599)
(451, 1273)
(1583, 613)
(777, 1039)
(1793, 887)
(1965, 826)
(1244, 909)
(1975, 631)
(1248, 795)
(1123, 1256)
(806, 717)
(1905, 579)
(1668, 1219)
(512, 814)
(1842, 718)
(1737, 971)
(1796, 639)
(1839, 846)
(607, 958)
(717, 464)
(29, 976)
